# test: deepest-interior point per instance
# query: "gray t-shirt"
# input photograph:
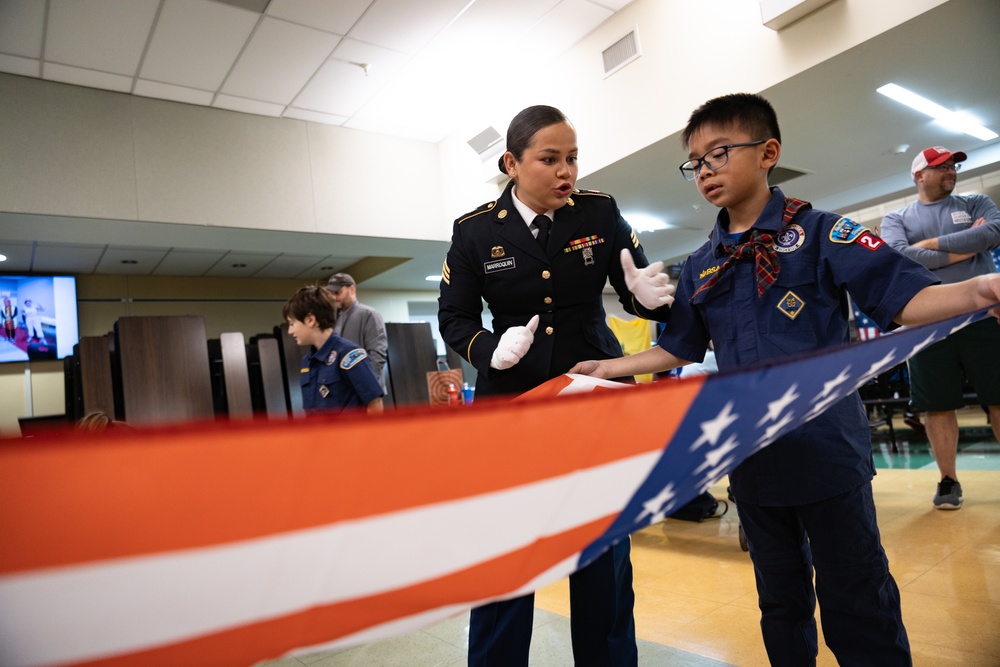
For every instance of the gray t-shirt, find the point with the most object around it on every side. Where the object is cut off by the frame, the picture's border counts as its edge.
(951, 220)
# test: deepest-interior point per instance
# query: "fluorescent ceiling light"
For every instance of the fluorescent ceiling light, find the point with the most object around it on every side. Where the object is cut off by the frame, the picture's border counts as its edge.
(433, 279)
(643, 222)
(954, 120)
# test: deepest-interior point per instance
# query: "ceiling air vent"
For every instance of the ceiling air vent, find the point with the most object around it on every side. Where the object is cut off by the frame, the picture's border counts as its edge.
(487, 143)
(621, 53)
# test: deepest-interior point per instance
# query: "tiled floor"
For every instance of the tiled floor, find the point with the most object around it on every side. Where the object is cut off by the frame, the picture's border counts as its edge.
(695, 599)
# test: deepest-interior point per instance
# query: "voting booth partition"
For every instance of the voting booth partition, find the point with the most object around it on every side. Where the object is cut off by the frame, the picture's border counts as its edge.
(161, 370)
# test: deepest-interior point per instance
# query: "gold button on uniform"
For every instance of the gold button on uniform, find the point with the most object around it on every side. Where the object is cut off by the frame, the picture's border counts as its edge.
(548, 300)
(549, 330)
(546, 275)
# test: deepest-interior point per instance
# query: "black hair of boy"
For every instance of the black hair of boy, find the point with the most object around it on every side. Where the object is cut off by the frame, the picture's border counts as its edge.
(746, 111)
(314, 300)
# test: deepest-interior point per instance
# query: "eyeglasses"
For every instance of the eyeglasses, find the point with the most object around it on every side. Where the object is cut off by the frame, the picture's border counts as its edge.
(946, 167)
(713, 159)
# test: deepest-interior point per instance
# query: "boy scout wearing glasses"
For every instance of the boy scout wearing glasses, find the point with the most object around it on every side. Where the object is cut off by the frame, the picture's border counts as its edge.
(771, 282)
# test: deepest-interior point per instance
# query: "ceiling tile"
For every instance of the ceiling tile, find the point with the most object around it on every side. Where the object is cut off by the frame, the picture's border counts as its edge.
(336, 17)
(287, 266)
(240, 265)
(164, 91)
(342, 86)
(404, 25)
(613, 5)
(18, 256)
(133, 261)
(256, 6)
(568, 23)
(196, 43)
(279, 59)
(86, 77)
(21, 28)
(329, 265)
(106, 35)
(187, 262)
(66, 258)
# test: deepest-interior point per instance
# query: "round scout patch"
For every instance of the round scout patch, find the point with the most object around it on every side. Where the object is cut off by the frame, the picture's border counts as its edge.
(790, 239)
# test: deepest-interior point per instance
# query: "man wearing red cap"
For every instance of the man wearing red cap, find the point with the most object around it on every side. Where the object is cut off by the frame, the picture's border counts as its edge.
(952, 235)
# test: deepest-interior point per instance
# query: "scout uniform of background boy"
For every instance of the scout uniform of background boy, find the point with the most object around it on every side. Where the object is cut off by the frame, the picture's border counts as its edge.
(806, 500)
(337, 373)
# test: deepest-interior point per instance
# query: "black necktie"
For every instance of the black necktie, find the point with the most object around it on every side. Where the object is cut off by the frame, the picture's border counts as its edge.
(543, 223)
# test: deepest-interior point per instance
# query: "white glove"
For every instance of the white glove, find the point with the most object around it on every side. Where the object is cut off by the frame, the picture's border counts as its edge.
(650, 285)
(514, 344)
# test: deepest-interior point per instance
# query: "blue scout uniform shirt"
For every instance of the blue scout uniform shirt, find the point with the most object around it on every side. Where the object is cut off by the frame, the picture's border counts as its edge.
(338, 376)
(822, 257)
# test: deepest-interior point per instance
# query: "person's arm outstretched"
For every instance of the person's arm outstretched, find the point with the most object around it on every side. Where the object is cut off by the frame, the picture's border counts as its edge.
(653, 360)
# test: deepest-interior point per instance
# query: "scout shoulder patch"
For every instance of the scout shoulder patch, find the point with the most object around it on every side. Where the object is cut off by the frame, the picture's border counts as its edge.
(479, 211)
(353, 358)
(846, 230)
(869, 241)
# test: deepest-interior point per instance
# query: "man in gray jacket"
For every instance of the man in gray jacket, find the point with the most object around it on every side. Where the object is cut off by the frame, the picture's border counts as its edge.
(952, 235)
(358, 322)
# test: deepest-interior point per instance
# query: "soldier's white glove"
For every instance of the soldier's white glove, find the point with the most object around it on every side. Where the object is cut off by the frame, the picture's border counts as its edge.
(650, 286)
(514, 344)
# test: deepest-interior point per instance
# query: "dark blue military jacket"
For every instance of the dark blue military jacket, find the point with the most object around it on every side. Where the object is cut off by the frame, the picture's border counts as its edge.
(494, 257)
(822, 257)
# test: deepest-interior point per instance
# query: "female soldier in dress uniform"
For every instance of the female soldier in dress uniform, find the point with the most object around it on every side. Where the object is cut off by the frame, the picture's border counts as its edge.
(540, 256)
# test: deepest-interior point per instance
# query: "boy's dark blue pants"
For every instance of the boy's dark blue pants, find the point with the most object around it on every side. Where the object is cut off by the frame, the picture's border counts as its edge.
(601, 621)
(858, 598)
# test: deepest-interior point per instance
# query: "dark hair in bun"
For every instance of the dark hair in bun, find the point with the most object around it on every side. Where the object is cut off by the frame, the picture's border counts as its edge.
(523, 127)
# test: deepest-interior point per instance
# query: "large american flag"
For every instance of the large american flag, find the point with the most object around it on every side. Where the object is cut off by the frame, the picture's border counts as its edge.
(225, 544)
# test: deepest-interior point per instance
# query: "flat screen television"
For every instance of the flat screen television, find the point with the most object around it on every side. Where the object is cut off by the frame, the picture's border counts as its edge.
(38, 318)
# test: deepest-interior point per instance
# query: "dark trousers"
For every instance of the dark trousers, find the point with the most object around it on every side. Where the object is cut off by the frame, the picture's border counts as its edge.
(858, 598)
(601, 622)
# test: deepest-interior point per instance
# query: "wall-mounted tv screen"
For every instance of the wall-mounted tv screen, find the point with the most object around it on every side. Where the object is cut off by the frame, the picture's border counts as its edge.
(37, 317)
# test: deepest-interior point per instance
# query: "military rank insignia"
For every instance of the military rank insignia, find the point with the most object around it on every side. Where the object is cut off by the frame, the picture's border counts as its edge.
(791, 305)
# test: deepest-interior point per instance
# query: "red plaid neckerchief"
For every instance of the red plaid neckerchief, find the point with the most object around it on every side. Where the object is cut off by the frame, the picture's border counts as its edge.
(760, 246)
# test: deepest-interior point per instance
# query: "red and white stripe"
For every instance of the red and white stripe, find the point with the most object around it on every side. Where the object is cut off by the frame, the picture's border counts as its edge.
(228, 544)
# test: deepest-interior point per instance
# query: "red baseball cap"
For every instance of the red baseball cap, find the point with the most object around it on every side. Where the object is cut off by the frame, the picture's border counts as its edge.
(933, 156)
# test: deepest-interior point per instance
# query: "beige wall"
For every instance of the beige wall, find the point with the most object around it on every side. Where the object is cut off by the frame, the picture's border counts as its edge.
(249, 306)
(79, 152)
